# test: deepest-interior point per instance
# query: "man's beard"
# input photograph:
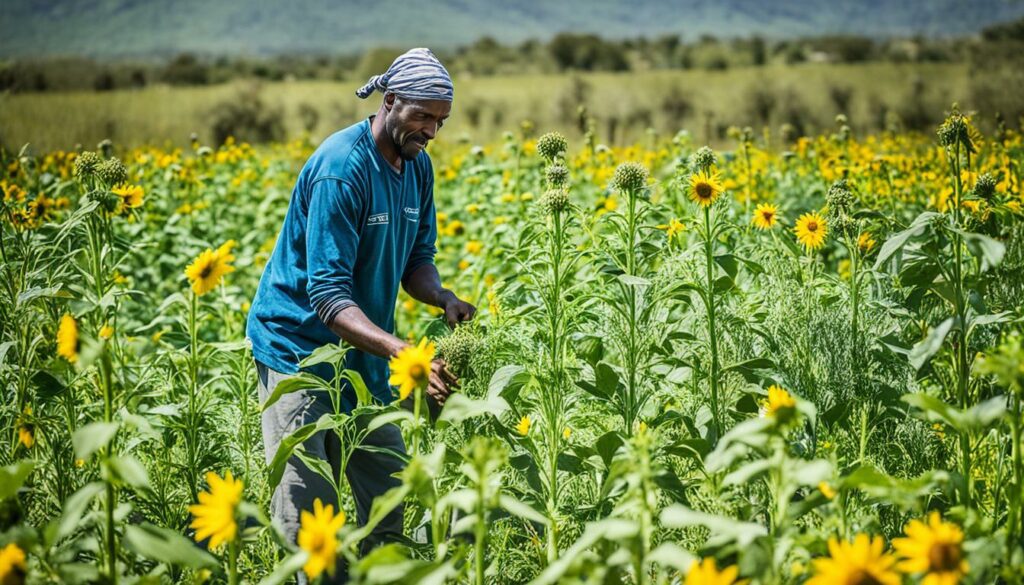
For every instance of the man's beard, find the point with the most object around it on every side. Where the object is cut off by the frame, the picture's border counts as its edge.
(411, 147)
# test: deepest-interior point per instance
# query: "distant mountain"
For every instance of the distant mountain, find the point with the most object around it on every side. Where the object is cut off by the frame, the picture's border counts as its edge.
(112, 28)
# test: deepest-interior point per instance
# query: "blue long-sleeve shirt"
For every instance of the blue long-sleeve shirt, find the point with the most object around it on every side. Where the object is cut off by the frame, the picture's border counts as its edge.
(355, 228)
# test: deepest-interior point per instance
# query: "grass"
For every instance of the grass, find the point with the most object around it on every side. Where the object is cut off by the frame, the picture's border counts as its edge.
(168, 115)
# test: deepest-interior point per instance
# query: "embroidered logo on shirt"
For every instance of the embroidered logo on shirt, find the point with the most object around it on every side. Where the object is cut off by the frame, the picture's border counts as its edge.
(411, 213)
(377, 219)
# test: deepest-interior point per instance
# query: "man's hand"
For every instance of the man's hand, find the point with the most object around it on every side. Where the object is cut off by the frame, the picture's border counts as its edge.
(441, 383)
(457, 310)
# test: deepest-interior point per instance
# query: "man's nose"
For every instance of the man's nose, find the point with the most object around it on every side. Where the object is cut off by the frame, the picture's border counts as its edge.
(430, 131)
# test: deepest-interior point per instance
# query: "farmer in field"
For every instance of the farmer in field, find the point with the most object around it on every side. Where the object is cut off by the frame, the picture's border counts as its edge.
(360, 222)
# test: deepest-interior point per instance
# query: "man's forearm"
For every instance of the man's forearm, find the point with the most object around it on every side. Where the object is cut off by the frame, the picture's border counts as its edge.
(354, 327)
(424, 285)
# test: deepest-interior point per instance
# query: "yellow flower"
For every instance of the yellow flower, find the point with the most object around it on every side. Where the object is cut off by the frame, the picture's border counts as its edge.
(765, 216)
(865, 242)
(780, 403)
(810, 230)
(673, 227)
(862, 562)
(411, 367)
(463, 264)
(973, 204)
(524, 425)
(12, 565)
(131, 195)
(214, 515)
(474, 246)
(26, 430)
(318, 536)
(67, 338)
(705, 188)
(566, 433)
(473, 208)
(106, 332)
(933, 549)
(455, 228)
(207, 270)
(826, 490)
(706, 573)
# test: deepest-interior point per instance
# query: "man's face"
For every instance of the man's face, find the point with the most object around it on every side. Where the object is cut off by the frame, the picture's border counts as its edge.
(411, 124)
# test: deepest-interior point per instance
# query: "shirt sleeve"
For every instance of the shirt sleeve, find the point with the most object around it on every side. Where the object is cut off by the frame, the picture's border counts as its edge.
(332, 240)
(424, 248)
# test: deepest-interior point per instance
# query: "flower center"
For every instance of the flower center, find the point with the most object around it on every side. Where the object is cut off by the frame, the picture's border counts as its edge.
(862, 577)
(704, 190)
(206, 271)
(416, 372)
(812, 226)
(767, 215)
(944, 557)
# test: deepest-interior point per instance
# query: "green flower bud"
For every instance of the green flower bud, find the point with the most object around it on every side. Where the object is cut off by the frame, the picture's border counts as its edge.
(112, 172)
(552, 145)
(554, 200)
(985, 187)
(86, 165)
(703, 159)
(557, 175)
(630, 177)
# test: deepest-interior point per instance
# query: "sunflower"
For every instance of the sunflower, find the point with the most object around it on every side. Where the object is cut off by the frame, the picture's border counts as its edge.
(933, 549)
(672, 228)
(67, 338)
(26, 430)
(411, 367)
(706, 573)
(705, 187)
(780, 404)
(131, 195)
(12, 565)
(765, 216)
(865, 242)
(214, 515)
(318, 536)
(861, 562)
(207, 270)
(524, 425)
(810, 230)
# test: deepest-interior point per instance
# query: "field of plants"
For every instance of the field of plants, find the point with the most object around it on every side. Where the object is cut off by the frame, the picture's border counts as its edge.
(794, 360)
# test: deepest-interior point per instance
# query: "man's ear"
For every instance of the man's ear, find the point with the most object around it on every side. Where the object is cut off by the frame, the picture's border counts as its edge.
(389, 101)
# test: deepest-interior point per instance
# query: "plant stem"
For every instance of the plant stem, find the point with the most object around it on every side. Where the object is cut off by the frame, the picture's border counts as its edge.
(712, 333)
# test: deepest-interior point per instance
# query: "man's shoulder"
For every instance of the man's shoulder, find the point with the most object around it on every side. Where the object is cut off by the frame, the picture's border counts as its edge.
(341, 156)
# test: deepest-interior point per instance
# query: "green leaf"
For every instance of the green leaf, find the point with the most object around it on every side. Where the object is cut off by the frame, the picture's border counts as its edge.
(925, 349)
(508, 379)
(670, 554)
(460, 407)
(128, 470)
(12, 477)
(285, 570)
(896, 242)
(75, 506)
(302, 381)
(729, 264)
(93, 437)
(288, 445)
(522, 510)
(166, 546)
(354, 378)
(747, 368)
(47, 386)
(631, 280)
(742, 533)
(984, 248)
(332, 353)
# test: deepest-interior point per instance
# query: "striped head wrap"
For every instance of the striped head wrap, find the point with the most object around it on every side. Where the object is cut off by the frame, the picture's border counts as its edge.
(416, 75)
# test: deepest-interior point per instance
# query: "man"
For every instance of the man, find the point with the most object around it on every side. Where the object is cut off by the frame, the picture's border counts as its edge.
(360, 222)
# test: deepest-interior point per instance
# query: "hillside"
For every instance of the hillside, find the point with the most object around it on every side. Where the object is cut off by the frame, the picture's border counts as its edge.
(112, 28)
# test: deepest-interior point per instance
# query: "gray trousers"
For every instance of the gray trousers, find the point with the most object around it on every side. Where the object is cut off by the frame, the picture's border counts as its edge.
(369, 474)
